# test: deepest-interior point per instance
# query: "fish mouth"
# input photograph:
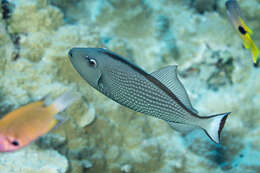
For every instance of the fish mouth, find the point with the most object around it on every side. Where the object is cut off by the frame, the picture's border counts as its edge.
(72, 58)
(3, 144)
(70, 53)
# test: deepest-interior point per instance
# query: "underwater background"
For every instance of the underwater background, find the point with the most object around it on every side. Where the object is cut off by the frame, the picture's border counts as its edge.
(103, 136)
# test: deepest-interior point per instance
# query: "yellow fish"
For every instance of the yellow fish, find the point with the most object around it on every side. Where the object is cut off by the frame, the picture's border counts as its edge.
(24, 125)
(235, 17)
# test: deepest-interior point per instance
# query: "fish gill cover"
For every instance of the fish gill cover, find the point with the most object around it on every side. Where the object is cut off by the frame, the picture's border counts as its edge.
(102, 136)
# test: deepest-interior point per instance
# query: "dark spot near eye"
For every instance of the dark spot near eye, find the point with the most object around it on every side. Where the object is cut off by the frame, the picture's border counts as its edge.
(242, 30)
(15, 143)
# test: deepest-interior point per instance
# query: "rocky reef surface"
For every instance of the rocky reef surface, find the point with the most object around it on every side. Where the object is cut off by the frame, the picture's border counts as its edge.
(102, 136)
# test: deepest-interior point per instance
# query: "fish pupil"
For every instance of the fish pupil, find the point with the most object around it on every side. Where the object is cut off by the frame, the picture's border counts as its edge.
(92, 63)
(242, 30)
(15, 143)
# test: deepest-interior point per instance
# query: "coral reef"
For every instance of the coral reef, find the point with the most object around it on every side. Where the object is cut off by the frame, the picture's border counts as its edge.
(33, 160)
(102, 136)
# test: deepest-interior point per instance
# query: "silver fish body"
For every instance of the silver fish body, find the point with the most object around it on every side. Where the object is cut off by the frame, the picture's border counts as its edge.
(159, 94)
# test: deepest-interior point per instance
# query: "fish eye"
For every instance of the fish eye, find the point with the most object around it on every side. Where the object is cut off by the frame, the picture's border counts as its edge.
(15, 143)
(92, 62)
(242, 30)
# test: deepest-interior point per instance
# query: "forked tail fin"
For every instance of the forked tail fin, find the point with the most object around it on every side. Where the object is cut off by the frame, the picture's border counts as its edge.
(214, 125)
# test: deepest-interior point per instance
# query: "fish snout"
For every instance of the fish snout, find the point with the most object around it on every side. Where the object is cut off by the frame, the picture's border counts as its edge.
(71, 53)
(3, 144)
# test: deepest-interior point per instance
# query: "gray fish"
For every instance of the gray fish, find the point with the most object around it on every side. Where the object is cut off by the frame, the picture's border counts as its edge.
(159, 94)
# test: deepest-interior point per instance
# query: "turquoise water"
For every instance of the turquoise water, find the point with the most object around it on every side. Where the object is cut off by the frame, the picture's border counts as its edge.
(100, 135)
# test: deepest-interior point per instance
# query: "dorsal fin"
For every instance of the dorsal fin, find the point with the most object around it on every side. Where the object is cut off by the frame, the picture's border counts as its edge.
(168, 77)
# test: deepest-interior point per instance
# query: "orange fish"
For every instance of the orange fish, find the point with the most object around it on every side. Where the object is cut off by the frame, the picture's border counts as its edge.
(24, 125)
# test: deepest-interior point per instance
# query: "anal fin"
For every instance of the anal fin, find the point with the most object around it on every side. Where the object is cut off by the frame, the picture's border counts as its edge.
(182, 128)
